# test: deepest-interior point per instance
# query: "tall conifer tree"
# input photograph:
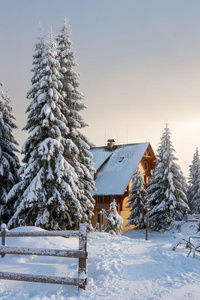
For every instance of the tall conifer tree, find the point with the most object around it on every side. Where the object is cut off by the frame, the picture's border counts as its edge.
(77, 147)
(193, 192)
(9, 162)
(167, 191)
(47, 194)
(37, 66)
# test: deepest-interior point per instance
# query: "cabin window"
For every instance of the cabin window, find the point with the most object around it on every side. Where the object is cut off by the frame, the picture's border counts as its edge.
(100, 199)
(111, 199)
(121, 158)
(146, 179)
(145, 165)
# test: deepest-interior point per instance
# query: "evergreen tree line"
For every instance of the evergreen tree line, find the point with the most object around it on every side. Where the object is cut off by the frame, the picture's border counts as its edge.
(168, 198)
(52, 188)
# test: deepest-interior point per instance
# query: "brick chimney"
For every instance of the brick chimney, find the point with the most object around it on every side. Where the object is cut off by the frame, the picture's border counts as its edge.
(110, 144)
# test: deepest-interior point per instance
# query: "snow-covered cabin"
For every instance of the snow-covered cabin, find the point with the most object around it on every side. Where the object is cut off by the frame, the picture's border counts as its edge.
(115, 165)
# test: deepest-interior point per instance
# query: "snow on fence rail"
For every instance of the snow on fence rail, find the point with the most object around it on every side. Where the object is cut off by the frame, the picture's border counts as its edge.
(81, 254)
(192, 218)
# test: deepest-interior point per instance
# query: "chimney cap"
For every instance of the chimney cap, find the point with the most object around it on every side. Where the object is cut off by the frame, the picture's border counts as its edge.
(111, 141)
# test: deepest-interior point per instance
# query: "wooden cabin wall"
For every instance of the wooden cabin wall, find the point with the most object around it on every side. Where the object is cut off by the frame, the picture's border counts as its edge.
(147, 164)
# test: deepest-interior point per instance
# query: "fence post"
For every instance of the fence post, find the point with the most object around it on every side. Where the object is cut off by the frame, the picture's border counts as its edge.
(100, 220)
(3, 237)
(186, 216)
(147, 227)
(82, 271)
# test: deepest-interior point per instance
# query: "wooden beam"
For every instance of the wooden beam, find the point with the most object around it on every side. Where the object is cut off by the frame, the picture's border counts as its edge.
(41, 251)
(3, 237)
(41, 233)
(81, 254)
(42, 278)
(82, 270)
(147, 226)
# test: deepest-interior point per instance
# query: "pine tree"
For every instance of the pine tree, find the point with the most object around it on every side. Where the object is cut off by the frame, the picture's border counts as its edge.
(37, 66)
(113, 220)
(167, 191)
(137, 201)
(9, 162)
(193, 192)
(47, 194)
(77, 147)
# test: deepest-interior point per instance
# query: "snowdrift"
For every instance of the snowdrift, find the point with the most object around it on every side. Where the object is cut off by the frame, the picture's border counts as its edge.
(119, 267)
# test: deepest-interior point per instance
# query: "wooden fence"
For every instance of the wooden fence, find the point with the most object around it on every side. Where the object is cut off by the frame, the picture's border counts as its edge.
(192, 218)
(81, 254)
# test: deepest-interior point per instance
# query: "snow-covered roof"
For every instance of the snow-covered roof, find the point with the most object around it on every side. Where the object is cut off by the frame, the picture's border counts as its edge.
(100, 155)
(115, 174)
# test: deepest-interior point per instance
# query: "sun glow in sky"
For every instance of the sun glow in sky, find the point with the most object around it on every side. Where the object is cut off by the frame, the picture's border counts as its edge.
(139, 63)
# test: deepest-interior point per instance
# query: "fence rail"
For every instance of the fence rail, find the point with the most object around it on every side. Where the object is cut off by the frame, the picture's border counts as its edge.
(42, 278)
(192, 218)
(81, 254)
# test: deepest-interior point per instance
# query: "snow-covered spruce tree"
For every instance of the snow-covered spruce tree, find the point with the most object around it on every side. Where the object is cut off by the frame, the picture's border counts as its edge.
(38, 73)
(77, 146)
(193, 192)
(113, 221)
(47, 194)
(167, 191)
(9, 162)
(192, 177)
(37, 66)
(137, 201)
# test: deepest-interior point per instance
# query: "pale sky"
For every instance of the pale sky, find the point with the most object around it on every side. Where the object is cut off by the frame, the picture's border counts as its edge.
(139, 62)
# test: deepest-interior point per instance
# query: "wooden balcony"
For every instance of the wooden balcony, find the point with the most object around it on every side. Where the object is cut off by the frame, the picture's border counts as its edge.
(102, 205)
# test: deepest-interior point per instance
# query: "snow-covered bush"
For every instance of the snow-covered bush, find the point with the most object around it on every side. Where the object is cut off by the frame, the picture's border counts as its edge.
(113, 221)
(96, 228)
(137, 201)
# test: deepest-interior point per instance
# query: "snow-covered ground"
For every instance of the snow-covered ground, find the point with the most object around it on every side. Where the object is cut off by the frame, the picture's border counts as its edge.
(119, 267)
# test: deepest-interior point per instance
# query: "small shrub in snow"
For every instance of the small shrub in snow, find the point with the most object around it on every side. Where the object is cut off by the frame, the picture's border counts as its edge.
(137, 201)
(96, 227)
(113, 221)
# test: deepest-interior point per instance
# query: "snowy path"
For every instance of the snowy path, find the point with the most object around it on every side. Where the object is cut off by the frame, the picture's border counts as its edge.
(139, 269)
(119, 267)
